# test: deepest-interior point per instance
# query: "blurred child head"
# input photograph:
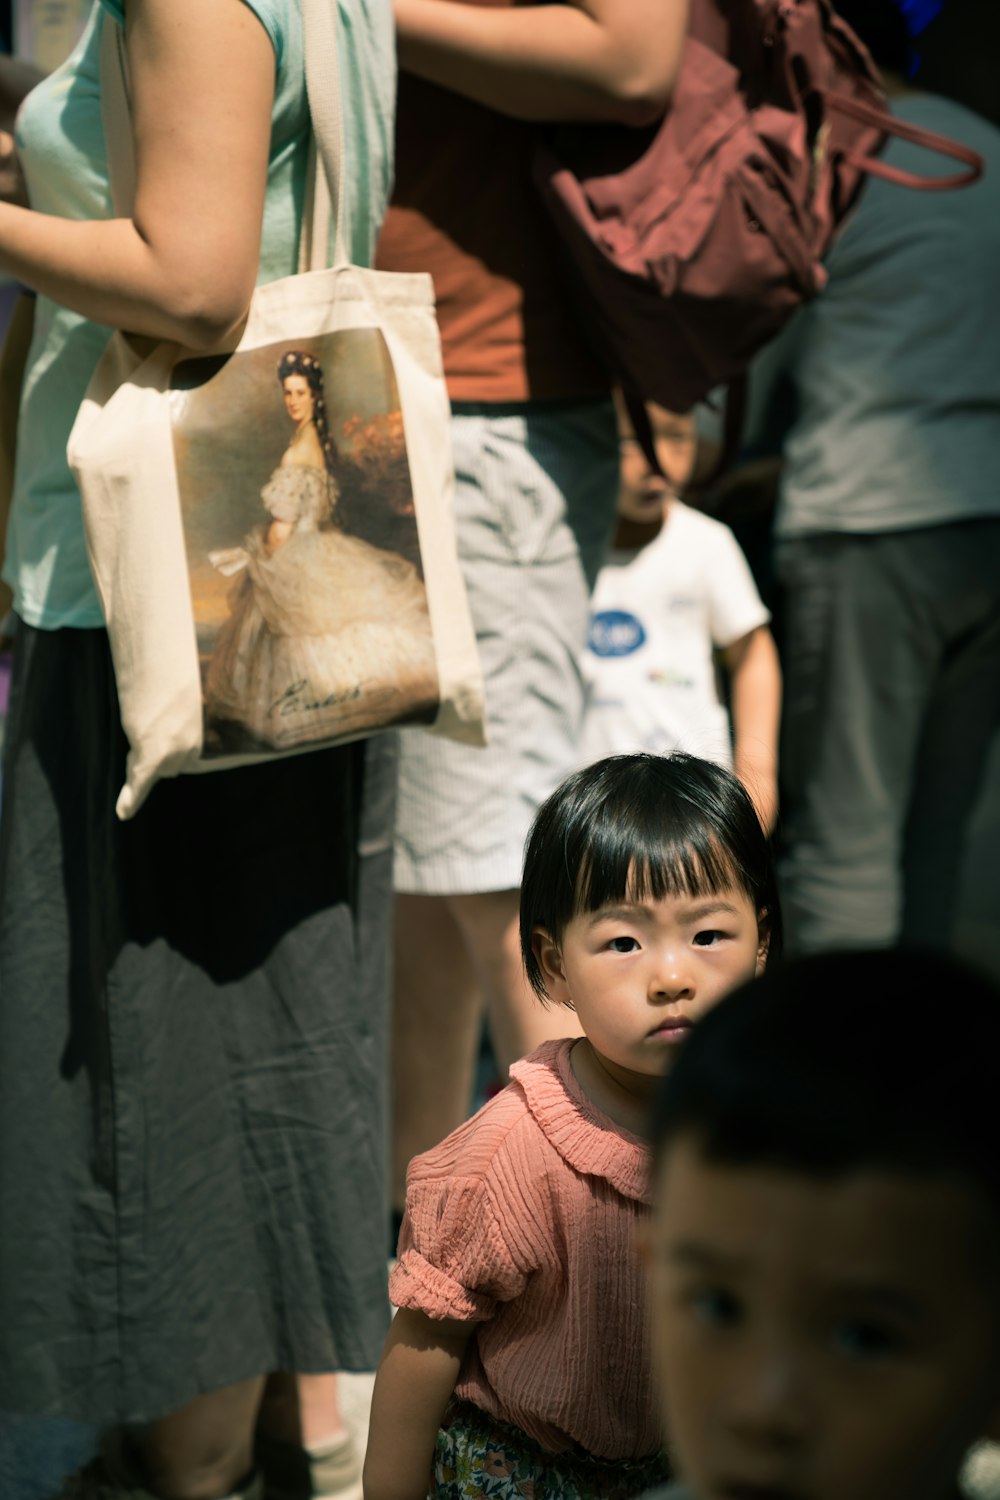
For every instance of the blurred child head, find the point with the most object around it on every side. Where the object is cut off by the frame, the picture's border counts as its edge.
(648, 892)
(825, 1248)
(642, 493)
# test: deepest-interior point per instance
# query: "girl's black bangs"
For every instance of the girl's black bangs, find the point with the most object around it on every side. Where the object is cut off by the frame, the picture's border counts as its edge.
(642, 862)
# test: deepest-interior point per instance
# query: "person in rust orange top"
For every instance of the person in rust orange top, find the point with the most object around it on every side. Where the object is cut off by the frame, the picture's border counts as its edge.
(537, 471)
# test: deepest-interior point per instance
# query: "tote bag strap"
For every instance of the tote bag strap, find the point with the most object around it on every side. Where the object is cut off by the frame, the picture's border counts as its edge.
(115, 111)
(319, 23)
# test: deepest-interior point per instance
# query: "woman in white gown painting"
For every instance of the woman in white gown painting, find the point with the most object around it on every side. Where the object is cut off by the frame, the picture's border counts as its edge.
(326, 633)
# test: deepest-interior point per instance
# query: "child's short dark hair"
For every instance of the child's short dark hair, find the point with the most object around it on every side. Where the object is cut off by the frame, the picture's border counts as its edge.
(846, 1062)
(643, 825)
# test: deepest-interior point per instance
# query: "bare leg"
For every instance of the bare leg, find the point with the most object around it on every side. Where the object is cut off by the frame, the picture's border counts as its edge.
(435, 1030)
(453, 953)
(519, 1022)
(303, 1410)
(204, 1450)
(304, 1445)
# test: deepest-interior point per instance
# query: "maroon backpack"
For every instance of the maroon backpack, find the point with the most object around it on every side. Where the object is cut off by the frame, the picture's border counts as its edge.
(695, 240)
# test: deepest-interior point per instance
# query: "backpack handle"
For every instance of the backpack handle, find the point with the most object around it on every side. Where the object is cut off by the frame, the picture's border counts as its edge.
(881, 119)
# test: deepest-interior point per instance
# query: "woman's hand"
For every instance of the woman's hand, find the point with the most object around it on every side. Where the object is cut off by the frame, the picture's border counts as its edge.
(183, 267)
(277, 535)
(587, 60)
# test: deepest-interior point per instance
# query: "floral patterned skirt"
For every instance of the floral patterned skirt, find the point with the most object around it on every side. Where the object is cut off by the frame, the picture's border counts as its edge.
(477, 1457)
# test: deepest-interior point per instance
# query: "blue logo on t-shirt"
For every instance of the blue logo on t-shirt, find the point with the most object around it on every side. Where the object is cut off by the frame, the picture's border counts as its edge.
(614, 632)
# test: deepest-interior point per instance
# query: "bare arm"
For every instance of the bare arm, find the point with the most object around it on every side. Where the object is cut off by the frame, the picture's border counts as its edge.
(184, 266)
(276, 536)
(755, 701)
(416, 1376)
(588, 60)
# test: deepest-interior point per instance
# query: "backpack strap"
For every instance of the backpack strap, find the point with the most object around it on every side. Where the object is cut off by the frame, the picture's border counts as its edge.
(868, 114)
(643, 429)
(736, 401)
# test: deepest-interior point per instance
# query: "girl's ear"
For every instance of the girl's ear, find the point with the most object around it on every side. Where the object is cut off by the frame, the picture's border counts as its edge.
(548, 956)
(763, 941)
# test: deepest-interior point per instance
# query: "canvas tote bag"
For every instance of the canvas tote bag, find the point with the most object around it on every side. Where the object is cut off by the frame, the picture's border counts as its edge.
(271, 583)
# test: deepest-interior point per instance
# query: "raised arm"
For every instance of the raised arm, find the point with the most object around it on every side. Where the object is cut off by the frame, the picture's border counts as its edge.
(587, 60)
(184, 265)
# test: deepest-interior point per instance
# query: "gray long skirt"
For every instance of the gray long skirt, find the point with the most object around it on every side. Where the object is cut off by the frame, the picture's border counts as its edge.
(192, 1059)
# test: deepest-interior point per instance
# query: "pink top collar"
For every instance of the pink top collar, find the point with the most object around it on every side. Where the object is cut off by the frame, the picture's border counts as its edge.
(586, 1138)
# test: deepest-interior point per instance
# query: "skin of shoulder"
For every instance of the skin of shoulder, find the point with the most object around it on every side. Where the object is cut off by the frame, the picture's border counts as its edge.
(184, 265)
(306, 452)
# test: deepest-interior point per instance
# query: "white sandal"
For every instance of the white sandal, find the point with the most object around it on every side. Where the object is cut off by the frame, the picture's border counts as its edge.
(293, 1473)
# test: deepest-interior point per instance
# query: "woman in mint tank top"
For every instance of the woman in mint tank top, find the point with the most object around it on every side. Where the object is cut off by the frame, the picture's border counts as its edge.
(192, 1003)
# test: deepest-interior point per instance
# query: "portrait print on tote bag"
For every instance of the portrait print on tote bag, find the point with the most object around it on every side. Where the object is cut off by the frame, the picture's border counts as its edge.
(302, 546)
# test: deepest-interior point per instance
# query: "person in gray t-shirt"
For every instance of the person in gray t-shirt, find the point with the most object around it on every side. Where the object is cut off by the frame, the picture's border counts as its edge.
(888, 542)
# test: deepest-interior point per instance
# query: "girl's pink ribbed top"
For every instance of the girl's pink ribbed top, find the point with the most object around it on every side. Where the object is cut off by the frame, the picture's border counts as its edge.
(524, 1221)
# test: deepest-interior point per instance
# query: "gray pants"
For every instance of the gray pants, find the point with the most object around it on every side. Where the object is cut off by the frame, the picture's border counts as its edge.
(892, 697)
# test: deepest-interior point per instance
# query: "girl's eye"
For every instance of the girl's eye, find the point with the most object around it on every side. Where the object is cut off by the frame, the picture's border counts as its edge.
(623, 945)
(708, 937)
(716, 1307)
(863, 1339)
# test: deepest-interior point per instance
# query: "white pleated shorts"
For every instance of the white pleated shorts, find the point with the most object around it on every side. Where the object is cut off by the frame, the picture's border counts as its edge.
(536, 487)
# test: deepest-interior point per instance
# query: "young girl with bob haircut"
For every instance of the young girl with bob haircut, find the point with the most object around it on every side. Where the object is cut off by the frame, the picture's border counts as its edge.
(519, 1353)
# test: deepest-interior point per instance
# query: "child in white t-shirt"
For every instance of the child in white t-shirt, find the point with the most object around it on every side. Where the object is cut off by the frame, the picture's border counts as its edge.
(674, 603)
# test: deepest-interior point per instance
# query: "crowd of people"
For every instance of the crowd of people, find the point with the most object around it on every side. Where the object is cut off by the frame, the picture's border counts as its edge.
(728, 1233)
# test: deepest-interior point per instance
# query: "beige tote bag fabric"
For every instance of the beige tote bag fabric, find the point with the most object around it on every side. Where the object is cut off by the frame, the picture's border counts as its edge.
(270, 529)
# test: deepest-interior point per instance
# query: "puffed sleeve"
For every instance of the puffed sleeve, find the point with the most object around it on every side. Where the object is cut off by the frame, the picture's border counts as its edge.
(283, 494)
(454, 1260)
